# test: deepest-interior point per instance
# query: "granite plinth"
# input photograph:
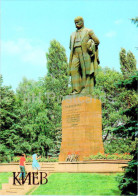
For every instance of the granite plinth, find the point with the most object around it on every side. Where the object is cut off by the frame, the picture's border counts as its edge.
(81, 127)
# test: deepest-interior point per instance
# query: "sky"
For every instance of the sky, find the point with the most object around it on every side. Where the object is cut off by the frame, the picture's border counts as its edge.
(28, 26)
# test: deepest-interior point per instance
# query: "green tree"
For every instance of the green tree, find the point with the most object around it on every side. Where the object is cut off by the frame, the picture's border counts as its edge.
(56, 86)
(128, 182)
(114, 100)
(7, 121)
(33, 118)
(127, 62)
(40, 105)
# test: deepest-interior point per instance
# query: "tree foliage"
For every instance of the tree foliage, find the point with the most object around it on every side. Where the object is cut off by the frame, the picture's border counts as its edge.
(114, 100)
(31, 118)
(7, 121)
(128, 182)
(135, 20)
(56, 86)
(127, 62)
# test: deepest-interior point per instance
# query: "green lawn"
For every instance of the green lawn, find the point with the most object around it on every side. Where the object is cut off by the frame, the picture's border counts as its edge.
(79, 184)
(4, 178)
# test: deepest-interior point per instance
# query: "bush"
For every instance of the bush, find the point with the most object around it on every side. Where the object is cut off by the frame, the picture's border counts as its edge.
(53, 160)
(16, 159)
(5, 154)
(43, 159)
(5, 159)
(99, 156)
(28, 159)
(119, 146)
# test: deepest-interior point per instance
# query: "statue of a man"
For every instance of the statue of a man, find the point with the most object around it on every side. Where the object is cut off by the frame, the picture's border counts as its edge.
(83, 58)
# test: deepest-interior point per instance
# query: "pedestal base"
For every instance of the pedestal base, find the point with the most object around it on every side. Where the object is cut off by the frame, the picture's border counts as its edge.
(81, 127)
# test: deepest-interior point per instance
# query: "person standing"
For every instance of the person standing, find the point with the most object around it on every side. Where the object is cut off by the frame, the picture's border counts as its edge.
(22, 166)
(84, 59)
(35, 164)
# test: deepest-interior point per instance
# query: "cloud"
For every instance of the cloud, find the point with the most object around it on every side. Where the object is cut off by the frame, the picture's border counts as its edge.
(119, 21)
(10, 47)
(25, 50)
(110, 34)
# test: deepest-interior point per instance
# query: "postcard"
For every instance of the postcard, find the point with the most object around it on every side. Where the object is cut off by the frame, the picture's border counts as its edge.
(68, 97)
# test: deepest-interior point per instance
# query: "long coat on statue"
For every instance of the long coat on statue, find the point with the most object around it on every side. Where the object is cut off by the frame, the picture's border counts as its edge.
(90, 55)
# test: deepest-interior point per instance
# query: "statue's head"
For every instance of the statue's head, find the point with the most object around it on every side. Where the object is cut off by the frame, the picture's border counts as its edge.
(79, 22)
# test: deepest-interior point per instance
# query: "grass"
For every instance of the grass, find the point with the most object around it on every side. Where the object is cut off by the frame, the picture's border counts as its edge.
(79, 184)
(4, 176)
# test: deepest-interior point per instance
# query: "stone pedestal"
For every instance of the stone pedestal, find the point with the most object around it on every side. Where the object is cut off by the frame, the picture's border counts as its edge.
(81, 127)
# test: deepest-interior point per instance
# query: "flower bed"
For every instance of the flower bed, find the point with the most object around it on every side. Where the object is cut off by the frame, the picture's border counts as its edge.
(43, 159)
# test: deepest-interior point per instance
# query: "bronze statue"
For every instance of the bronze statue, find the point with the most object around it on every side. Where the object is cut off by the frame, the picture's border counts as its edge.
(83, 58)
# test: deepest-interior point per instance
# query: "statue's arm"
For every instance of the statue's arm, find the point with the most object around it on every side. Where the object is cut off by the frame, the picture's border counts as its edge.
(93, 36)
